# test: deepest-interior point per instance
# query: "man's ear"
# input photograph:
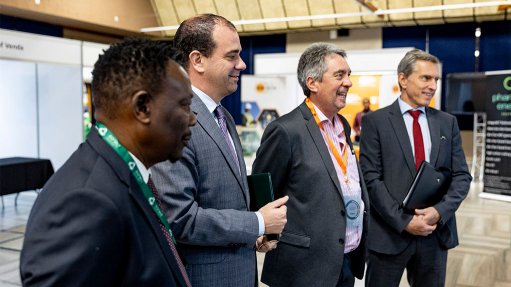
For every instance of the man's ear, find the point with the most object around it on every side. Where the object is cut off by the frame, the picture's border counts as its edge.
(312, 84)
(140, 102)
(195, 59)
(403, 80)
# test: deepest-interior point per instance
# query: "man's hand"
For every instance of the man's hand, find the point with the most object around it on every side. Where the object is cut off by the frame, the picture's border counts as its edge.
(274, 215)
(263, 245)
(430, 214)
(419, 226)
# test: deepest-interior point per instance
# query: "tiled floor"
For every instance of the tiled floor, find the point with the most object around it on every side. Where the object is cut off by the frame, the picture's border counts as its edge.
(12, 227)
(483, 258)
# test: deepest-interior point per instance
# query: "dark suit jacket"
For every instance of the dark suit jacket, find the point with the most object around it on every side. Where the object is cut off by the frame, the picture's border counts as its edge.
(206, 200)
(92, 226)
(387, 160)
(311, 248)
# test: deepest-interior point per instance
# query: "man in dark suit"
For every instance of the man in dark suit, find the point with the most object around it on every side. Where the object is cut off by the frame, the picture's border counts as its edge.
(95, 222)
(394, 141)
(310, 157)
(206, 193)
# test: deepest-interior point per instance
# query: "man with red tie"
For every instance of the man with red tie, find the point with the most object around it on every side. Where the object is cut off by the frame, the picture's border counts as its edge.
(394, 141)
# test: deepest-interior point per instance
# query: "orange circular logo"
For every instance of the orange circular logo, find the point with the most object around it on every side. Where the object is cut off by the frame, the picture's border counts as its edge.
(260, 87)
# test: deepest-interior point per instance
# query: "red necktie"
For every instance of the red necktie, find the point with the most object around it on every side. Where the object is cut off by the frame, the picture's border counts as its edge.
(418, 142)
(151, 185)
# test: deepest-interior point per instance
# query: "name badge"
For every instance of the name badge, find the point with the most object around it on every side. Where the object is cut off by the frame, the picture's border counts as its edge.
(354, 215)
(353, 209)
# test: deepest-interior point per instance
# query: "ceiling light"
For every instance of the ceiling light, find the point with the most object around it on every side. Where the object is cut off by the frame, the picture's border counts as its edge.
(378, 12)
(478, 32)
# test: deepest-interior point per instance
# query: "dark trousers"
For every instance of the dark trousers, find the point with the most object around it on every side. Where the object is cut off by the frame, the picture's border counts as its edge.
(424, 259)
(346, 279)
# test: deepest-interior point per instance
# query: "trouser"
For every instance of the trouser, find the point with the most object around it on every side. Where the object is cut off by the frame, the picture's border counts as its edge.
(424, 259)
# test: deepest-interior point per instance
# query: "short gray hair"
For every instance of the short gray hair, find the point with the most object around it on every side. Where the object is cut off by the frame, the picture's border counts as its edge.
(312, 63)
(407, 64)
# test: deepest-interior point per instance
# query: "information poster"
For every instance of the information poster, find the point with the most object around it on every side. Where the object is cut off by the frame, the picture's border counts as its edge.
(497, 169)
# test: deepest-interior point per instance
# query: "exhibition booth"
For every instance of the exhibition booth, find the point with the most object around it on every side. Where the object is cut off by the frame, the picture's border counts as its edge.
(42, 94)
(45, 100)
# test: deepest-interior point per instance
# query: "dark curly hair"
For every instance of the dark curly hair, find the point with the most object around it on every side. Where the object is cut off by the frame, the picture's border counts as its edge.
(196, 33)
(127, 67)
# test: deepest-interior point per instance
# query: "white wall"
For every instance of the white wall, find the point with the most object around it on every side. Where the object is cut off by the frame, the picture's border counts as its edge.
(41, 93)
(60, 111)
(18, 109)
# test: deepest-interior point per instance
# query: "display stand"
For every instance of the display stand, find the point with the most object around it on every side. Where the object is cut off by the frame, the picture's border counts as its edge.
(477, 169)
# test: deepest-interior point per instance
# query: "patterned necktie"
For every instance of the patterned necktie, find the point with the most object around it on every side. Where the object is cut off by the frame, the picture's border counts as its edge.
(418, 142)
(220, 115)
(151, 185)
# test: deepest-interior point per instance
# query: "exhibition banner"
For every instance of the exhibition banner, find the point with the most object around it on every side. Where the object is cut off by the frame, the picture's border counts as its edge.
(497, 166)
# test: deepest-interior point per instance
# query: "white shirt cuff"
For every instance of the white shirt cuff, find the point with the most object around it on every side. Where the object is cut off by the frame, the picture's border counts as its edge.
(260, 219)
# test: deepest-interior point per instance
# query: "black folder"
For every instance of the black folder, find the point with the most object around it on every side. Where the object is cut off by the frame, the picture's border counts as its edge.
(428, 187)
(261, 190)
(261, 193)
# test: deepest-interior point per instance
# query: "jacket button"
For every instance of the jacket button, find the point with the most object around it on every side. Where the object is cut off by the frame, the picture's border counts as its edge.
(341, 241)
(343, 213)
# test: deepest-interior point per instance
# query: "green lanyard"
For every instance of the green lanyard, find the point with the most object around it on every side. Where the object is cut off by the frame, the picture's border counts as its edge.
(111, 140)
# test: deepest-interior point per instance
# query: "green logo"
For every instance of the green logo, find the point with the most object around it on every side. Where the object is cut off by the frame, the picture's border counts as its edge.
(507, 83)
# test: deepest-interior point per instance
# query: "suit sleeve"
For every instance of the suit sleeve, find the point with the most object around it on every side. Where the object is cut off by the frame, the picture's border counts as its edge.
(178, 185)
(461, 178)
(69, 244)
(382, 202)
(274, 156)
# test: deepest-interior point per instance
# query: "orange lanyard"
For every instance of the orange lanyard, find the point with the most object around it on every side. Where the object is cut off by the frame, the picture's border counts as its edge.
(342, 161)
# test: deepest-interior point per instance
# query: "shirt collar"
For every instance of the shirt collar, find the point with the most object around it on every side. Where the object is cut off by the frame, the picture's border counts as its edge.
(323, 118)
(404, 107)
(209, 102)
(141, 167)
(320, 114)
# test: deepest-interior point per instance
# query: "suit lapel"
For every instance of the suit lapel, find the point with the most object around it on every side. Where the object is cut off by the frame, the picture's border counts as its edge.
(151, 217)
(123, 173)
(399, 127)
(316, 136)
(231, 126)
(434, 131)
(207, 121)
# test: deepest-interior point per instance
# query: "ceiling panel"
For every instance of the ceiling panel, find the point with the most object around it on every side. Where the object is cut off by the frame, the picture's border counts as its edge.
(404, 22)
(432, 21)
(297, 8)
(229, 10)
(249, 10)
(205, 6)
(184, 9)
(466, 13)
(321, 7)
(488, 13)
(374, 20)
(458, 15)
(429, 14)
(399, 4)
(344, 7)
(166, 15)
(273, 9)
